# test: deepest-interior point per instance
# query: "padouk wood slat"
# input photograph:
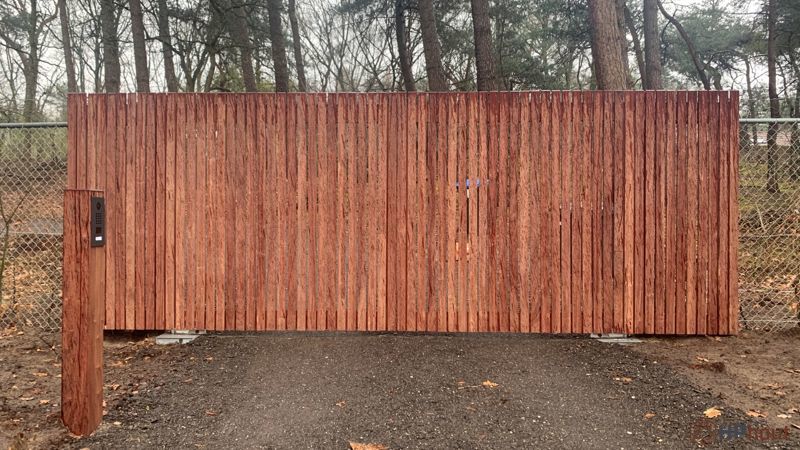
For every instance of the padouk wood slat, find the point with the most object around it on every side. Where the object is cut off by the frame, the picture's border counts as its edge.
(554, 212)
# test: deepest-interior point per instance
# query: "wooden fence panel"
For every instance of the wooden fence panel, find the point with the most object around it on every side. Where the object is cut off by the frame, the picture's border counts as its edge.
(553, 212)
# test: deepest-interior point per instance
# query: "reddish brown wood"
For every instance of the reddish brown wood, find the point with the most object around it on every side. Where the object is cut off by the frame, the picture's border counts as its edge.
(348, 218)
(82, 317)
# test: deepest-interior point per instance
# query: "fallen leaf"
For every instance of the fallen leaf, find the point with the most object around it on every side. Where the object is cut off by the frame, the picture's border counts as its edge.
(26, 399)
(114, 387)
(341, 404)
(756, 413)
(117, 423)
(44, 401)
(489, 384)
(701, 358)
(649, 415)
(784, 416)
(774, 386)
(210, 412)
(712, 412)
(368, 446)
(40, 374)
(794, 411)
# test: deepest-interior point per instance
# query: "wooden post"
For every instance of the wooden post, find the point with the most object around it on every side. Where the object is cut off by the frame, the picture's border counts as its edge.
(82, 316)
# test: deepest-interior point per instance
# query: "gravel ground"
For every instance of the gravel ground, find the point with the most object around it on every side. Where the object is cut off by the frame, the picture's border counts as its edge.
(289, 390)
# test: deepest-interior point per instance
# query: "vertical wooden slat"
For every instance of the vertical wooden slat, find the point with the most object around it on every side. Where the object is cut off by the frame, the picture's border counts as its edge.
(189, 238)
(316, 314)
(524, 207)
(301, 199)
(587, 186)
(450, 212)
(115, 179)
(692, 214)
(128, 261)
(329, 213)
(492, 184)
(598, 305)
(197, 160)
(682, 220)
(550, 209)
(512, 223)
(412, 215)
(104, 155)
(260, 217)
(640, 213)
(671, 216)
(618, 207)
(293, 124)
(576, 216)
(724, 211)
(472, 266)
(650, 223)
(439, 181)
(733, 220)
(537, 212)
(660, 208)
(609, 133)
(173, 130)
(223, 110)
(628, 224)
(459, 191)
(562, 184)
(136, 195)
(421, 195)
(160, 208)
(341, 224)
(179, 223)
(481, 189)
(401, 186)
(74, 121)
(713, 213)
(383, 195)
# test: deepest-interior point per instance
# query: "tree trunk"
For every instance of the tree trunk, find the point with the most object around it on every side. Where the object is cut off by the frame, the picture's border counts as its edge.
(698, 65)
(623, 42)
(610, 71)
(402, 46)
(795, 140)
(31, 66)
(66, 44)
(652, 47)
(431, 47)
(484, 56)
(751, 101)
(111, 65)
(139, 47)
(637, 45)
(278, 46)
(774, 102)
(297, 44)
(166, 46)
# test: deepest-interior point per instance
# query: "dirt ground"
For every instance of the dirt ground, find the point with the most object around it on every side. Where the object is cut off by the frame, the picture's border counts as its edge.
(289, 390)
(757, 372)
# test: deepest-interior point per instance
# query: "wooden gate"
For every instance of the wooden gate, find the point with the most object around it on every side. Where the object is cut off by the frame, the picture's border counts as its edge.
(553, 212)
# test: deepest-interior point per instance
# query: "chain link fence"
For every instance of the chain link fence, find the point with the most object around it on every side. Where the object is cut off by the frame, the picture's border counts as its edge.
(33, 176)
(769, 223)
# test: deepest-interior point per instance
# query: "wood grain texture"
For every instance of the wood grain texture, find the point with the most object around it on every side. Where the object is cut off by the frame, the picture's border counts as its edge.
(84, 292)
(550, 212)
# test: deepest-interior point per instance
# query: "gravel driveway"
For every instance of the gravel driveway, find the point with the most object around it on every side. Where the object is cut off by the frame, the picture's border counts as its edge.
(408, 391)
